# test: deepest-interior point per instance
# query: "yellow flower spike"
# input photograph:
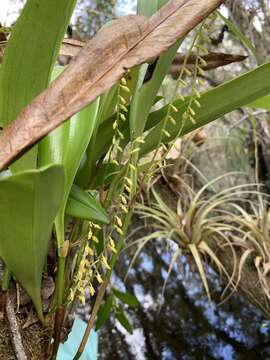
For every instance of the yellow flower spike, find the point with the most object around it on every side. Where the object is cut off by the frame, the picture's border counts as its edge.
(105, 262)
(127, 188)
(113, 140)
(89, 251)
(115, 125)
(96, 226)
(91, 289)
(118, 221)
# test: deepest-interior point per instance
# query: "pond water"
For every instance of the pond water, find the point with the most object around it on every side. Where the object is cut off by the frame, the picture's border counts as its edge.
(186, 326)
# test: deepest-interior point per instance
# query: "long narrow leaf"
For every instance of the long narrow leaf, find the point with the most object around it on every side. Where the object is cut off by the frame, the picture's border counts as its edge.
(29, 58)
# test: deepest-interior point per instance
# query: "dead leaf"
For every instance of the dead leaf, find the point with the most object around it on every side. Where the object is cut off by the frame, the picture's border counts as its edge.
(212, 61)
(71, 47)
(129, 41)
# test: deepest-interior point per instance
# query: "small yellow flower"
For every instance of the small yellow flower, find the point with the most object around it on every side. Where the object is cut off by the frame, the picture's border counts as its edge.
(105, 262)
(134, 151)
(123, 107)
(128, 181)
(115, 162)
(165, 132)
(119, 230)
(89, 251)
(123, 199)
(125, 89)
(123, 81)
(174, 109)
(91, 289)
(132, 167)
(82, 299)
(98, 277)
(122, 117)
(122, 100)
(95, 239)
(90, 234)
(118, 221)
(172, 120)
(124, 208)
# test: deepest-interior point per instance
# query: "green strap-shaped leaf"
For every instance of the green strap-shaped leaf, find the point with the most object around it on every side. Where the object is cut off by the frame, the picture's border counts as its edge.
(66, 145)
(262, 103)
(148, 8)
(146, 92)
(121, 317)
(28, 206)
(29, 58)
(104, 312)
(126, 298)
(214, 104)
(81, 204)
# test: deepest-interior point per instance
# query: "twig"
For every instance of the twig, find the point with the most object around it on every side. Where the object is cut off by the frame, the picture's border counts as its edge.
(14, 330)
(92, 319)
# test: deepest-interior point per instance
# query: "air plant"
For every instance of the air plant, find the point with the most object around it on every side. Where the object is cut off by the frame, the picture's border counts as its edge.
(203, 222)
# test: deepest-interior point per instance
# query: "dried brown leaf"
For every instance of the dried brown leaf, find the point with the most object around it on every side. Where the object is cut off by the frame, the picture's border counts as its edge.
(128, 42)
(213, 60)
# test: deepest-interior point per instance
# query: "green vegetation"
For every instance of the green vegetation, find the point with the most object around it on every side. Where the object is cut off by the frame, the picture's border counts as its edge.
(77, 188)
